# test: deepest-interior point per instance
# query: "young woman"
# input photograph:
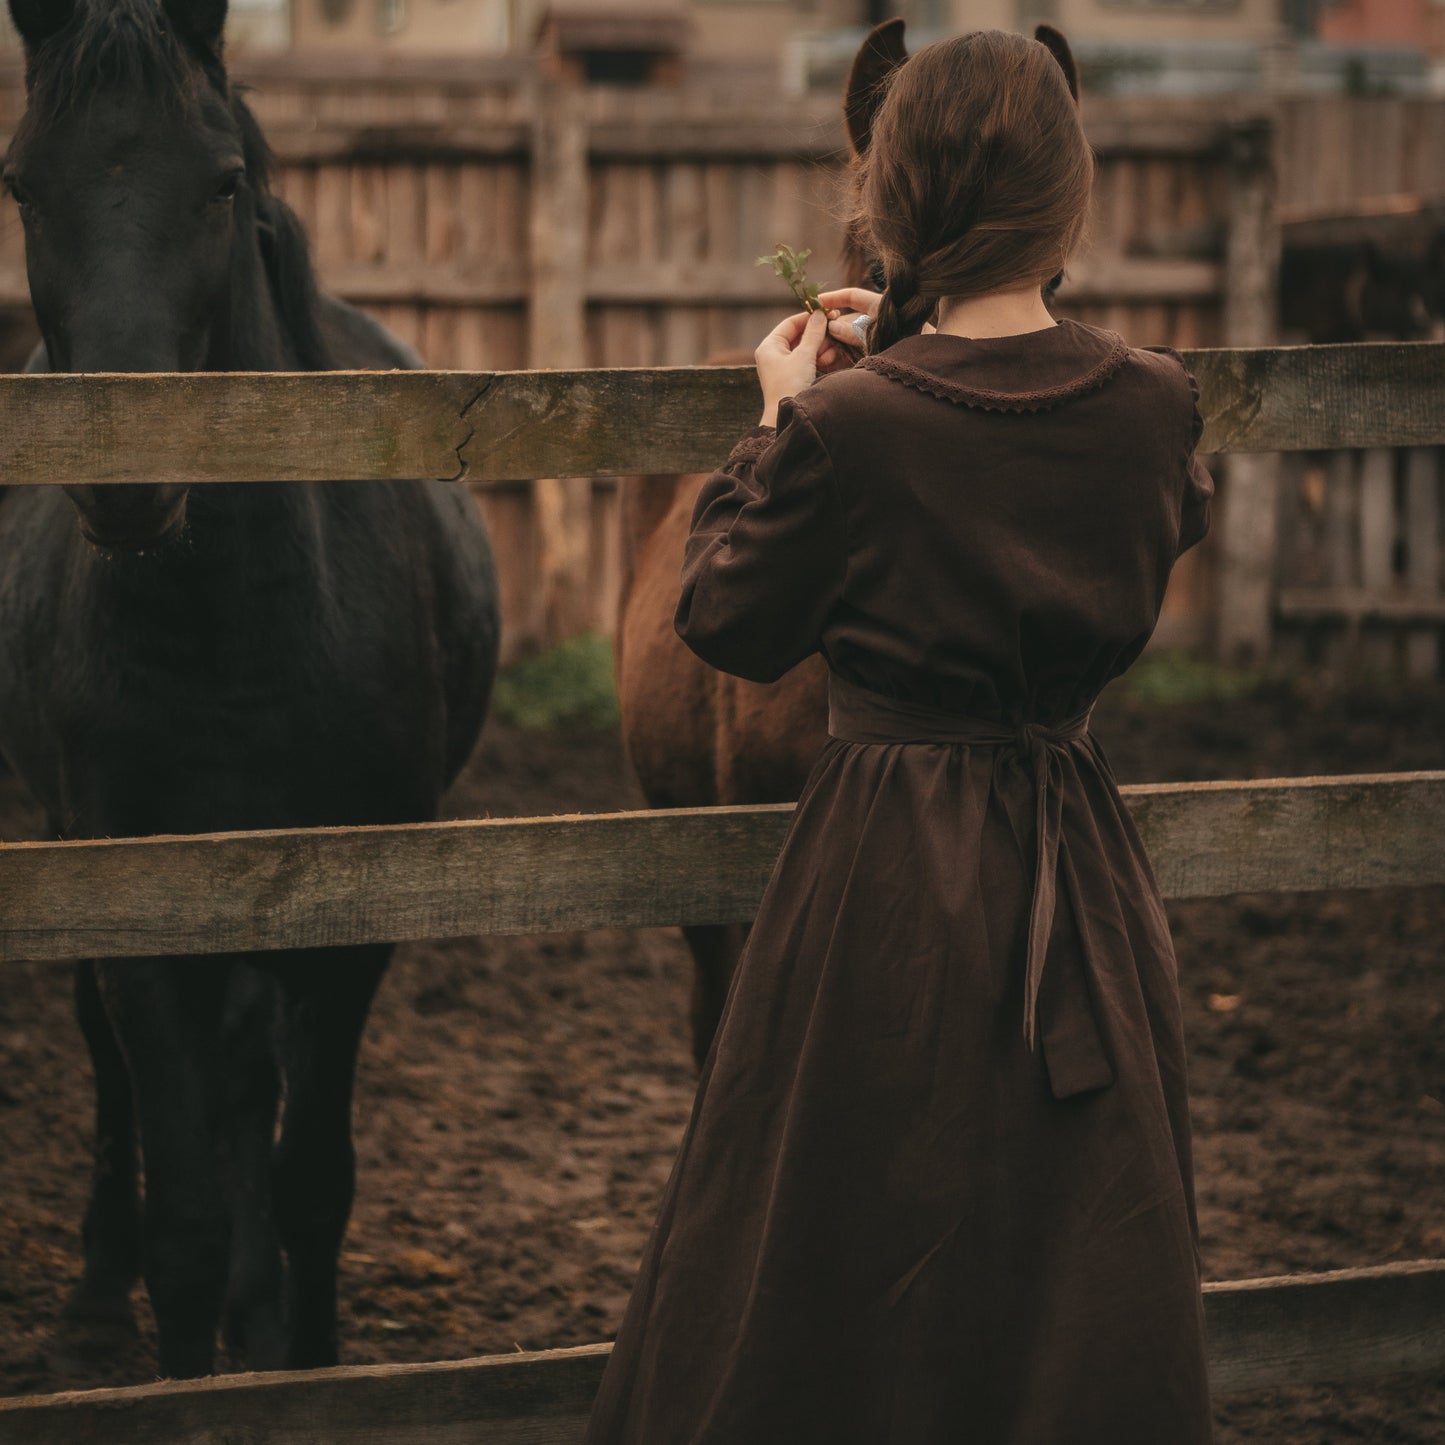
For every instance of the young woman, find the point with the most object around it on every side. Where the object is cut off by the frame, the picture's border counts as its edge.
(937, 1184)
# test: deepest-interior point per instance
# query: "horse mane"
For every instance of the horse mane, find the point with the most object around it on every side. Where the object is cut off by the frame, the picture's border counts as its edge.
(284, 248)
(121, 43)
(130, 45)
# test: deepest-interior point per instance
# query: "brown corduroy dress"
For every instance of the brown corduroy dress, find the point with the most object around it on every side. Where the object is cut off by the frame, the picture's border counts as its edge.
(936, 1188)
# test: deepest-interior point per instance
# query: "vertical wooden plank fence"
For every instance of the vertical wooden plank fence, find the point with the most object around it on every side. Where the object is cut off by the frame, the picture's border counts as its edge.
(1360, 583)
(1249, 522)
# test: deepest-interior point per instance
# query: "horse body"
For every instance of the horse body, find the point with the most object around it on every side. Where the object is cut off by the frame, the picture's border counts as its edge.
(696, 737)
(177, 659)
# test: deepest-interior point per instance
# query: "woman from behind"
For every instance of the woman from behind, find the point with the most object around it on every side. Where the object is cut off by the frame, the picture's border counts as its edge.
(937, 1184)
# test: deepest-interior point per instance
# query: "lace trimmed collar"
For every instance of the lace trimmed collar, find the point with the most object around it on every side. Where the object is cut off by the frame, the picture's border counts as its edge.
(1081, 357)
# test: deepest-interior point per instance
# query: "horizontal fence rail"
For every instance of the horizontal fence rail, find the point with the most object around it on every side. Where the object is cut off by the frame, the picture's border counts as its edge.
(507, 426)
(232, 892)
(1295, 1330)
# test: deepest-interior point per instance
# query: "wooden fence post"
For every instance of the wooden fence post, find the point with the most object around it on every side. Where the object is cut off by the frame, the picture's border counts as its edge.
(556, 305)
(1422, 544)
(1377, 550)
(557, 339)
(1250, 522)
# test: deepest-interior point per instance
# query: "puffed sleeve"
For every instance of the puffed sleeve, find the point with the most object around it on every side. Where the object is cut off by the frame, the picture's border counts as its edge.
(1198, 484)
(767, 554)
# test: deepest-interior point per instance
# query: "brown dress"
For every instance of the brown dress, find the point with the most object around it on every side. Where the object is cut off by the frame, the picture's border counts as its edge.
(937, 1183)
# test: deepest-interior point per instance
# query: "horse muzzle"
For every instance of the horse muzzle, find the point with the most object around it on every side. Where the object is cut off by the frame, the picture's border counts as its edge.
(131, 517)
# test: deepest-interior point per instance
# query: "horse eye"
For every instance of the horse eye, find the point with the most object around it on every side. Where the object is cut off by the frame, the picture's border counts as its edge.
(228, 185)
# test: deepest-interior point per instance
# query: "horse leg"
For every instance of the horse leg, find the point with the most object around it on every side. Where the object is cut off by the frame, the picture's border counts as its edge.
(98, 1316)
(326, 997)
(166, 1016)
(716, 949)
(254, 1325)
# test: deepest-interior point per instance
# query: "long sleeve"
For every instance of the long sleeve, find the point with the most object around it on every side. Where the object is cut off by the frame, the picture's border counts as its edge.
(1194, 518)
(1198, 484)
(767, 555)
(1198, 488)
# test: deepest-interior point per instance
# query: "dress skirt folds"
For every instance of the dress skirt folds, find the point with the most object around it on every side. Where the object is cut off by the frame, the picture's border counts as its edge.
(937, 1185)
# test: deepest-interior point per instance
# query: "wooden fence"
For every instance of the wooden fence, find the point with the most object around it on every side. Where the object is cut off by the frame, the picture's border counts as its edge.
(1359, 571)
(228, 892)
(498, 221)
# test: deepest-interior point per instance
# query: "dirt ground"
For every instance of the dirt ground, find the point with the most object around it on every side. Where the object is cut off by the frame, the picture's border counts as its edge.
(520, 1099)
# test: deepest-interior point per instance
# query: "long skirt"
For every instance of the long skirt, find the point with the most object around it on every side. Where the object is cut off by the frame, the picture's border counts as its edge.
(883, 1227)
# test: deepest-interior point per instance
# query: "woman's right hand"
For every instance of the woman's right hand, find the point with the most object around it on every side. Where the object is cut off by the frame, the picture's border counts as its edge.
(841, 328)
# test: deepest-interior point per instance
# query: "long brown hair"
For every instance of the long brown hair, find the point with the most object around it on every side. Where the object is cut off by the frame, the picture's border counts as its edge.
(976, 177)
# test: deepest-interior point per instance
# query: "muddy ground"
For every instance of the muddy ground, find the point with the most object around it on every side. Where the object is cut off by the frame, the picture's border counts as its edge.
(520, 1099)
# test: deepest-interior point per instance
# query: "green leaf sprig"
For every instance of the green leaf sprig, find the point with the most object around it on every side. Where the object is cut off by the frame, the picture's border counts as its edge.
(791, 266)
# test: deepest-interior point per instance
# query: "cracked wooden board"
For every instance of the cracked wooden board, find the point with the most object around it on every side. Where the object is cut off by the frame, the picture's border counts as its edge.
(518, 425)
(234, 426)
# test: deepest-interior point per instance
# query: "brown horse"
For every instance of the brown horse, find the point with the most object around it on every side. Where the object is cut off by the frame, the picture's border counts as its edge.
(699, 738)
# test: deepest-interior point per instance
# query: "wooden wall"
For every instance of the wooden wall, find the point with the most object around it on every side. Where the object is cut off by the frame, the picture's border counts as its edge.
(1336, 153)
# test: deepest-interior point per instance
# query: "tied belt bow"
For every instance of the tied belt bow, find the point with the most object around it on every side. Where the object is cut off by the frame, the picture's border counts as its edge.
(1074, 1052)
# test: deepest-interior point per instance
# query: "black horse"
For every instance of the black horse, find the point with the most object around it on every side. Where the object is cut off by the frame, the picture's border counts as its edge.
(230, 656)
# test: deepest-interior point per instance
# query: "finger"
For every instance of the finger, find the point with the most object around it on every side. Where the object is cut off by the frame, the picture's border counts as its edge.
(815, 330)
(789, 331)
(855, 298)
(845, 333)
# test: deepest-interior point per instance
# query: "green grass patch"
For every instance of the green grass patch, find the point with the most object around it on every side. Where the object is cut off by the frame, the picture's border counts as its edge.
(1181, 677)
(572, 686)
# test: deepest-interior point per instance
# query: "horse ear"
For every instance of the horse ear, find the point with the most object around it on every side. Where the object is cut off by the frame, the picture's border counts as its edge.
(1058, 47)
(37, 20)
(880, 55)
(202, 22)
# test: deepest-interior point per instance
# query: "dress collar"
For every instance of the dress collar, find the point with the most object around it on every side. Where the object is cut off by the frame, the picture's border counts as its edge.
(1031, 372)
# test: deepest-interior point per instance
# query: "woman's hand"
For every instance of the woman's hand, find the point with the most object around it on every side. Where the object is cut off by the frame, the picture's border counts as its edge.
(841, 329)
(789, 358)
(794, 354)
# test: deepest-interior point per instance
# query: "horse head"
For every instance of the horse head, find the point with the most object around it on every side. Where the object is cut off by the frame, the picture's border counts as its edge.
(152, 240)
(880, 55)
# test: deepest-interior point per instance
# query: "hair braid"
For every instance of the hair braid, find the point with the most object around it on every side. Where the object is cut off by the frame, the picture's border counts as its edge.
(903, 308)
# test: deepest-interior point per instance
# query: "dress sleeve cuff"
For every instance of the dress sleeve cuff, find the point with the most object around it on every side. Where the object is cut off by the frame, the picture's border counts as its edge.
(752, 446)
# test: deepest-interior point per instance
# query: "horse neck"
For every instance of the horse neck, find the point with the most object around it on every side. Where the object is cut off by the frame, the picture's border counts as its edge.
(643, 502)
(252, 334)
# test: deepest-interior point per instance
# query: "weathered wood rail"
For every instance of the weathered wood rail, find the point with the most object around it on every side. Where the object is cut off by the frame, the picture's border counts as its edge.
(231, 892)
(1296, 1330)
(494, 427)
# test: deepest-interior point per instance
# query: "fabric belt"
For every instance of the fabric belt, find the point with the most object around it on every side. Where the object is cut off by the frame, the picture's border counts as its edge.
(1074, 1052)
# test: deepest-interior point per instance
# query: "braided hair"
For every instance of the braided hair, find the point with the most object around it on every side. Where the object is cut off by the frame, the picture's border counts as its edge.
(903, 309)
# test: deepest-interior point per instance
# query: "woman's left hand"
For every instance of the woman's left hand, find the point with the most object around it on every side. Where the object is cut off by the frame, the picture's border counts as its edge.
(789, 358)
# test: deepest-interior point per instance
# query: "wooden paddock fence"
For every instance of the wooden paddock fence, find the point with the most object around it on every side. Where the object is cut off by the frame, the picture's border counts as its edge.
(223, 893)
(498, 220)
